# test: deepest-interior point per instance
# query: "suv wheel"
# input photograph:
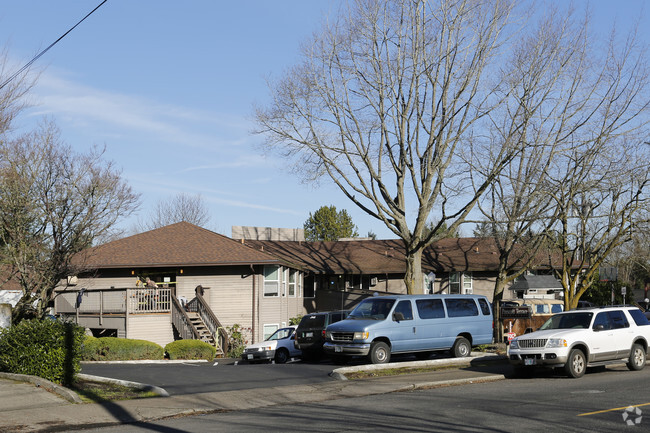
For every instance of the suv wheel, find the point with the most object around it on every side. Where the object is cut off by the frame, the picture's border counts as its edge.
(379, 353)
(576, 364)
(637, 358)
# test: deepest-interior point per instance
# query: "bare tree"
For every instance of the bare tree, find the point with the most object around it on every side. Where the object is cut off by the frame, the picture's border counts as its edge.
(181, 207)
(582, 176)
(390, 103)
(601, 198)
(517, 209)
(54, 202)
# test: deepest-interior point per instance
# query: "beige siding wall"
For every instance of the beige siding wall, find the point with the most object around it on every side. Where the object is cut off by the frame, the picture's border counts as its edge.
(150, 327)
(277, 310)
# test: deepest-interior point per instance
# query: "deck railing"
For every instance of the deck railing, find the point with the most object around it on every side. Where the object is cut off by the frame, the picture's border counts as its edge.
(149, 300)
(114, 301)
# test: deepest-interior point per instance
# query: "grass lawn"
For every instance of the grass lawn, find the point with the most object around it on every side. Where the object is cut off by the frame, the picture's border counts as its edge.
(97, 392)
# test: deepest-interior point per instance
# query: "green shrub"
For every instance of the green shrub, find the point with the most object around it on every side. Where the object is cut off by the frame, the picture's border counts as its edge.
(236, 343)
(46, 348)
(190, 349)
(119, 349)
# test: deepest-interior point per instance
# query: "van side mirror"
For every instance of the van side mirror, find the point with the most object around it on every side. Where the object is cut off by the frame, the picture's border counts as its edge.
(397, 316)
(599, 327)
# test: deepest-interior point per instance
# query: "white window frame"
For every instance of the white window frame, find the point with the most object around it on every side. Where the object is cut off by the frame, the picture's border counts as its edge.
(292, 284)
(467, 288)
(460, 283)
(270, 284)
(270, 326)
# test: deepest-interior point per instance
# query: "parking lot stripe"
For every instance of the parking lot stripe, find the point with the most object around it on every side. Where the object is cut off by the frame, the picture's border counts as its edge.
(615, 409)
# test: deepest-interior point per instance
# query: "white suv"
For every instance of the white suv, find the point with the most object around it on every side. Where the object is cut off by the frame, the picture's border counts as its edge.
(590, 337)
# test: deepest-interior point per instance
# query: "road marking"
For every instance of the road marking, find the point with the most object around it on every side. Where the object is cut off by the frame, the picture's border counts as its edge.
(615, 409)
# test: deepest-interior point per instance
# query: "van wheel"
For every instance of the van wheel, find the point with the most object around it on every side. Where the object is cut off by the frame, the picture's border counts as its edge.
(461, 347)
(379, 353)
(576, 364)
(637, 358)
(281, 356)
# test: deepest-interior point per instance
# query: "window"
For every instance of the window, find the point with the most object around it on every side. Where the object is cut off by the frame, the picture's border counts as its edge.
(467, 283)
(403, 311)
(461, 307)
(639, 318)
(293, 276)
(271, 281)
(269, 330)
(602, 319)
(618, 319)
(309, 289)
(454, 283)
(557, 308)
(430, 308)
(485, 307)
(460, 283)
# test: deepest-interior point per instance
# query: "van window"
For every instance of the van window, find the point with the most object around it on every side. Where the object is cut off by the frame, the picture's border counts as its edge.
(461, 307)
(430, 308)
(485, 308)
(403, 311)
(372, 308)
(557, 308)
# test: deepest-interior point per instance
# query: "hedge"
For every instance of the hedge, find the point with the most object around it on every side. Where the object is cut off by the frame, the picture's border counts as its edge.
(46, 348)
(119, 349)
(190, 349)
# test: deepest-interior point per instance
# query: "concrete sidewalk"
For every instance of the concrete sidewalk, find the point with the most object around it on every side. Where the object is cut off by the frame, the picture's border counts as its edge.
(28, 407)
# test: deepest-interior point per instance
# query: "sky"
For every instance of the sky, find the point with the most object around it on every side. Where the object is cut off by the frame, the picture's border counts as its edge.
(169, 88)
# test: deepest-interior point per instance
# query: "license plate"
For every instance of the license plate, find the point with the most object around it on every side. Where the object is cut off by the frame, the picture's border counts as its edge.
(309, 334)
(250, 356)
(338, 349)
(529, 361)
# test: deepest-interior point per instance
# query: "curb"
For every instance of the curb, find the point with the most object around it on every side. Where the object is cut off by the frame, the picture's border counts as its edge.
(135, 385)
(62, 391)
(340, 373)
(429, 385)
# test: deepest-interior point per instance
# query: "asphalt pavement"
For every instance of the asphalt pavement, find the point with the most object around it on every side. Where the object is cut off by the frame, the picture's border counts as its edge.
(29, 404)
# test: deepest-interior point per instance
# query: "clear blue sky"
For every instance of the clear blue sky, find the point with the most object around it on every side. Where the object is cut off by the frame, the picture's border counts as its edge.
(169, 86)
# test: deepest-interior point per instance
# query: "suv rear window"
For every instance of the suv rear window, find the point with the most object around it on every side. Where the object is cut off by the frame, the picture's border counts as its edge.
(639, 318)
(618, 319)
(312, 321)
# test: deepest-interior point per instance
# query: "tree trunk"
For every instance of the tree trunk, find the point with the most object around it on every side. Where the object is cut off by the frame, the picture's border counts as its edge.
(413, 276)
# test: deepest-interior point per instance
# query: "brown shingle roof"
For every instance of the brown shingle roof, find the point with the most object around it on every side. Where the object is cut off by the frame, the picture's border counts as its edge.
(383, 256)
(180, 244)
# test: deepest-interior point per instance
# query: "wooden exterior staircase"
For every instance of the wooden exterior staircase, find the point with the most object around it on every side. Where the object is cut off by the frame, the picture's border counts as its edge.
(197, 321)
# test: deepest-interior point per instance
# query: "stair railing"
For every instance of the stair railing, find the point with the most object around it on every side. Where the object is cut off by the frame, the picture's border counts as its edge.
(212, 323)
(182, 323)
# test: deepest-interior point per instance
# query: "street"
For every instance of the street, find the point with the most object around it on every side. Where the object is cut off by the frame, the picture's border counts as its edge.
(546, 402)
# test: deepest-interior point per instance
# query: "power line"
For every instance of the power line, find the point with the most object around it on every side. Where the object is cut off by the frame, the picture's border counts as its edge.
(28, 64)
